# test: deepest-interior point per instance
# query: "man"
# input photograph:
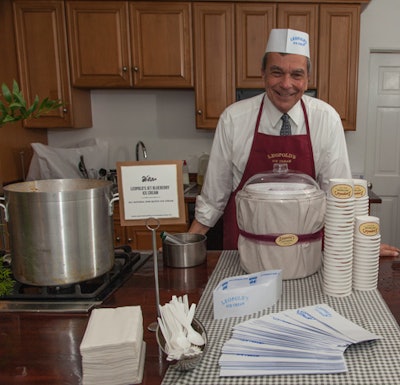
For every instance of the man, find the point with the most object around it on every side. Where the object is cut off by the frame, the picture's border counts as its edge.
(248, 138)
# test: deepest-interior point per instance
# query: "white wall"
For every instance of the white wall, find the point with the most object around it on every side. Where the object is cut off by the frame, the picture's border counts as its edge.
(165, 119)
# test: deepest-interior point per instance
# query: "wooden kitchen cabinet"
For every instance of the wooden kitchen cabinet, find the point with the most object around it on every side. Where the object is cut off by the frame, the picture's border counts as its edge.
(121, 44)
(334, 30)
(213, 25)
(338, 59)
(99, 43)
(254, 22)
(139, 237)
(15, 148)
(161, 44)
(302, 17)
(43, 63)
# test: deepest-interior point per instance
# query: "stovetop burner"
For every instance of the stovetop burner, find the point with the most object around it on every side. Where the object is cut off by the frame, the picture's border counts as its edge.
(75, 297)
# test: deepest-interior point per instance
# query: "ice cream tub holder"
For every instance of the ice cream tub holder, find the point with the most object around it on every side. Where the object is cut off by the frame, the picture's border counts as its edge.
(281, 216)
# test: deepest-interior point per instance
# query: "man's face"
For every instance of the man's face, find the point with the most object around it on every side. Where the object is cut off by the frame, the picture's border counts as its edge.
(286, 79)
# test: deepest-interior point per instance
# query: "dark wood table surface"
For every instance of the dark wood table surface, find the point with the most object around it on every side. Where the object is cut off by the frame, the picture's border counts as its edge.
(38, 348)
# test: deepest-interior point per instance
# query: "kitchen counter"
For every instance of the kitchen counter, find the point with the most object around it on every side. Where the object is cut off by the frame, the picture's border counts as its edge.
(38, 348)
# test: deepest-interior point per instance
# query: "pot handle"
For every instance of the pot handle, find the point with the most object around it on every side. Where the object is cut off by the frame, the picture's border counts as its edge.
(111, 204)
(5, 209)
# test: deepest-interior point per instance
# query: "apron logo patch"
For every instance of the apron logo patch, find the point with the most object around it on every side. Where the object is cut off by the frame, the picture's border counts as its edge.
(287, 240)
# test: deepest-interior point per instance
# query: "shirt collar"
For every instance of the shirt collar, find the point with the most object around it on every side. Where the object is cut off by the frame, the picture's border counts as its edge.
(295, 113)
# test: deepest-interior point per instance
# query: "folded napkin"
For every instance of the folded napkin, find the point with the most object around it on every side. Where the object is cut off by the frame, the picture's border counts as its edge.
(112, 347)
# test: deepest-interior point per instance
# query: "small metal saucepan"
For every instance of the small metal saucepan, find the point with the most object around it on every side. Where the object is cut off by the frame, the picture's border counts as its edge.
(192, 252)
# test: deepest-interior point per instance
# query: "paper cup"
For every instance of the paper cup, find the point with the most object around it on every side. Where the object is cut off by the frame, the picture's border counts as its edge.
(367, 287)
(365, 251)
(360, 188)
(340, 204)
(337, 255)
(341, 189)
(336, 276)
(341, 291)
(367, 226)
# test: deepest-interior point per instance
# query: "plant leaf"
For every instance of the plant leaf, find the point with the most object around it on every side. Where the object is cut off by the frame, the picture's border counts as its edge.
(18, 97)
(16, 108)
(6, 93)
(33, 107)
(15, 87)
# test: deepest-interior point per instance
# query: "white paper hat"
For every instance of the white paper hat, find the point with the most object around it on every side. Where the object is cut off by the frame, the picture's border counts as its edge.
(288, 41)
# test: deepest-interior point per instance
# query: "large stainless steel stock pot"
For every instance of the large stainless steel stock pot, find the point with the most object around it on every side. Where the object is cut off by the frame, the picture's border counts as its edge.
(61, 230)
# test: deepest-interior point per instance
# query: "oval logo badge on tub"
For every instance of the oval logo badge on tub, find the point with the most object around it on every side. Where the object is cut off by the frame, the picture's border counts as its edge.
(359, 191)
(369, 229)
(287, 240)
(342, 191)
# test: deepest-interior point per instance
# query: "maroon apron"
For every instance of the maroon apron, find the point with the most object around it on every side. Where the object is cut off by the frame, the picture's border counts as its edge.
(295, 150)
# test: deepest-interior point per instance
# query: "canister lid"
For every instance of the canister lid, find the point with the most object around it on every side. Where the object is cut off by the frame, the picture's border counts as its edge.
(281, 181)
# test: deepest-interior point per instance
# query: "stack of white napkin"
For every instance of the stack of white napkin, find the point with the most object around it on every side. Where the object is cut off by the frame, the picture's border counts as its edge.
(112, 348)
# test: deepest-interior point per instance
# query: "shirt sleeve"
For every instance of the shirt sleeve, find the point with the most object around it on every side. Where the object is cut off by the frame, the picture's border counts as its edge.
(217, 187)
(330, 149)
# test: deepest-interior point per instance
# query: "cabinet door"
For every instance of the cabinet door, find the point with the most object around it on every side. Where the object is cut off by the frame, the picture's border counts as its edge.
(15, 148)
(253, 25)
(98, 43)
(138, 236)
(214, 60)
(43, 63)
(119, 235)
(161, 43)
(338, 59)
(303, 17)
(144, 237)
(131, 237)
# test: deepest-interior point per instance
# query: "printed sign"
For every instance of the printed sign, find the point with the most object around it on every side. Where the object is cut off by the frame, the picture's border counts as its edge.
(150, 189)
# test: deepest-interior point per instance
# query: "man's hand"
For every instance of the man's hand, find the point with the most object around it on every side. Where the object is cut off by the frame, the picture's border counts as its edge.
(389, 251)
(198, 228)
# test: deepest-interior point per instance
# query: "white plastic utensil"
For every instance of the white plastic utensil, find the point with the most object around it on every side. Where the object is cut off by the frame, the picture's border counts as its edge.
(190, 313)
(186, 303)
(186, 320)
(178, 339)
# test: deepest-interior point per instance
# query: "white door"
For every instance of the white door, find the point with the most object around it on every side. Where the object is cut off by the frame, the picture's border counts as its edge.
(382, 166)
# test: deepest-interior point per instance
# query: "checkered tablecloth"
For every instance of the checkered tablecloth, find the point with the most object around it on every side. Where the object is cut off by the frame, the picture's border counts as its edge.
(369, 363)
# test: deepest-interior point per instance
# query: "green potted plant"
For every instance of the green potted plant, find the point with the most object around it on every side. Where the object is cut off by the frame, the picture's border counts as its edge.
(6, 282)
(13, 107)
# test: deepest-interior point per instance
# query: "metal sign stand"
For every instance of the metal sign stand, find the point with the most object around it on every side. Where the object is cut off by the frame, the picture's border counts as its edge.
(153, 224)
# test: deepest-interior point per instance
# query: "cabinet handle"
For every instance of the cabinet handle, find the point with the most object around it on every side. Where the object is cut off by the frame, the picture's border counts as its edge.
(124, 69)
(130, 240)
(65, 110)
(117, 239)
(199, 112)
(136, 69)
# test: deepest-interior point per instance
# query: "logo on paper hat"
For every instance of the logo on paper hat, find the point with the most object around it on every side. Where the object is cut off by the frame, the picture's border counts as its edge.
(288, 41)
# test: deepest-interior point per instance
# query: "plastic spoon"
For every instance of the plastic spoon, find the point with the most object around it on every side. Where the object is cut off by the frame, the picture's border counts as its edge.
(172, 348)
(192, 335)
(177, 335)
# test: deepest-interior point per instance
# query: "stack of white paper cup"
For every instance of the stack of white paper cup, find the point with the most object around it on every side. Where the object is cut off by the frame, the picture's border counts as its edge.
(367, 240)
(361, 203)
(338, 239)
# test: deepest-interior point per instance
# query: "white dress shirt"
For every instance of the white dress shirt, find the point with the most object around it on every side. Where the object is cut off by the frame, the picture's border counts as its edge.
(234, 136)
